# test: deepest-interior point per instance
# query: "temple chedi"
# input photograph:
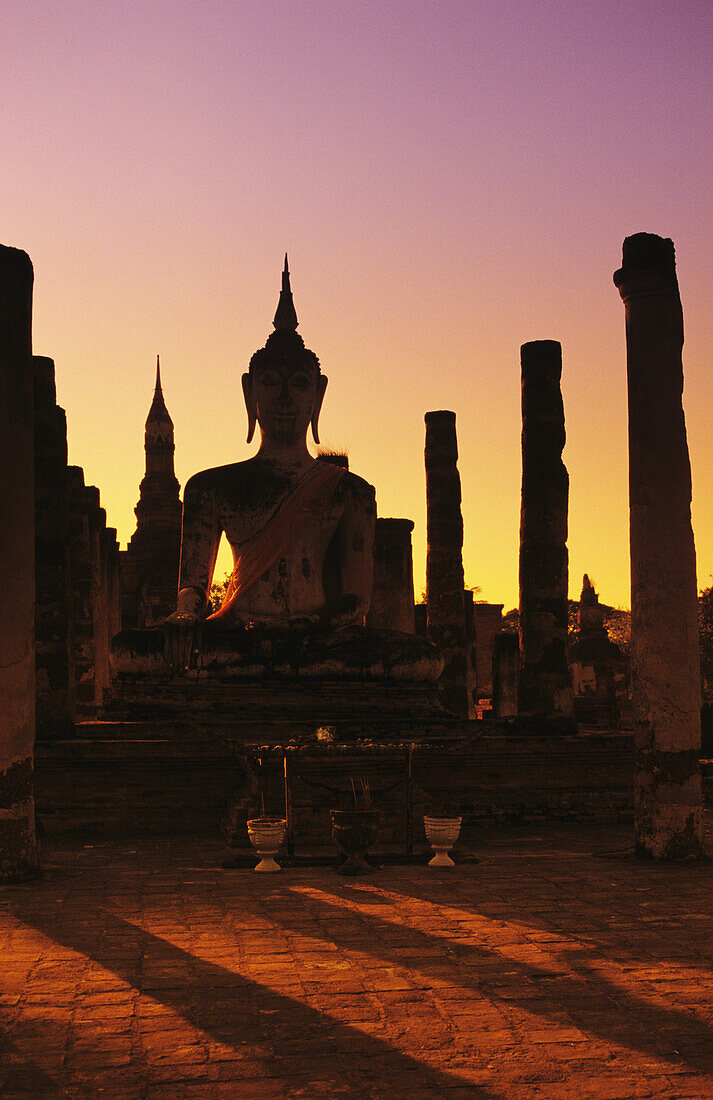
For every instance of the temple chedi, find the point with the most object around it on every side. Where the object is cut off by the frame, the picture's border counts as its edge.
(149, 565)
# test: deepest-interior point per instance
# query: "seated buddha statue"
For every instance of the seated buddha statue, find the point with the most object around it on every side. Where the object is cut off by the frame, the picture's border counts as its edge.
(301, 530)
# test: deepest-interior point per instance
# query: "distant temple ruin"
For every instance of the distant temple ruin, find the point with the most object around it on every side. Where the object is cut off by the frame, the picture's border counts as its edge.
(149, 565)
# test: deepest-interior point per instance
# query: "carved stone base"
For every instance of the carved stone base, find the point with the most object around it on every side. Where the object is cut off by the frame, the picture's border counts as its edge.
(283, 653)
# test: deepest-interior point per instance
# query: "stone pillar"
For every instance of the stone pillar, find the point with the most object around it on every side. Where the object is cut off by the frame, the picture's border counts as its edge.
(95, 594)
(392, 606)
(113, 582)
(444, 561)
(664, 605)
(487, 624)
(471, 651)
(100, 594)
(82, 642)
(54, 714)
(18, 847)
(506, 665)
(545, 689)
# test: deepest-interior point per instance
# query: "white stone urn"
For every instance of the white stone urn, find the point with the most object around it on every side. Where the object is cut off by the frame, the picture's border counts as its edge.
(266, 836)
(442, 833)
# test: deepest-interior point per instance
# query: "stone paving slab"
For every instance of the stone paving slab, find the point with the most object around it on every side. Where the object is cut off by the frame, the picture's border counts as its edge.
(558, 966)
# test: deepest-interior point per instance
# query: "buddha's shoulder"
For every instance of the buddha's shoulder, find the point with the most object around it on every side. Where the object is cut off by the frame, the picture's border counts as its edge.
(221, 478)
(357, 487)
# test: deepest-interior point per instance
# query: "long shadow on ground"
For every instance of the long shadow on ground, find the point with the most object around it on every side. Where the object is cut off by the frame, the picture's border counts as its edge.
(595, 1004)
(234, 1010)
(20, 1074)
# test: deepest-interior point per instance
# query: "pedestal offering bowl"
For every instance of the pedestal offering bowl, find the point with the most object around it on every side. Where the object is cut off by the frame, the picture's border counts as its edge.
(266, 836)
(354, 832)
(442, 833)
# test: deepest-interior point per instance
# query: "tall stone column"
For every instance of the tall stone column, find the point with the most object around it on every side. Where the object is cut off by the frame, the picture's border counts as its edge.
(506, 666)
(392, 605)
(100, 593)
(54, 715)
(471, 651)
(18, 848)
(82, 640)
(487, 624)
(545, 688)
(444, 560)
(664, 604)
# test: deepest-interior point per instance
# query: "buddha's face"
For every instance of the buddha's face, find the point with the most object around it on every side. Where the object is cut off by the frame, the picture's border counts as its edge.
(285, 398)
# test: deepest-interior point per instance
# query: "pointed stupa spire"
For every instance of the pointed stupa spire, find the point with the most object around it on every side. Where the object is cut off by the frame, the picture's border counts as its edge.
(285, 315)
(158, 413)
(589, 594)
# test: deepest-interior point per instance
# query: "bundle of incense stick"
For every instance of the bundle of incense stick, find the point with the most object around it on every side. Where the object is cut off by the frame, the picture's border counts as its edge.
(365, 792)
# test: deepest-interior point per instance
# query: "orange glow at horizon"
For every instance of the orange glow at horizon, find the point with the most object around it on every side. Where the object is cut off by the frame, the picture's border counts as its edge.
(449, 181)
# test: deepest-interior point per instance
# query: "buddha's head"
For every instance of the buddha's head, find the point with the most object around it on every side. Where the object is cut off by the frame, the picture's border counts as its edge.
(284, 387)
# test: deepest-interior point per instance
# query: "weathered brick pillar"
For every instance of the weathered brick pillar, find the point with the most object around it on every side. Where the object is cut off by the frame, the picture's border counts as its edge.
(114, 582)
(82, 643)
(100, 594)
(392, 605)
(18, 846)
(664, 605)
(487, 624)
(506, 666)
(444, 560)
(54, 714)
(545, 688)
(471, 651)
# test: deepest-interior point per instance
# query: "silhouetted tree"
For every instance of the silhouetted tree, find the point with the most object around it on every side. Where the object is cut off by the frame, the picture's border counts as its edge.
(617, 623)
(218, 591)
(511, 620)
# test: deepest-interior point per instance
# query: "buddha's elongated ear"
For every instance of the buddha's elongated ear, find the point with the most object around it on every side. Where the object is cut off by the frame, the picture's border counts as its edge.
(319, 398)
(250, 405)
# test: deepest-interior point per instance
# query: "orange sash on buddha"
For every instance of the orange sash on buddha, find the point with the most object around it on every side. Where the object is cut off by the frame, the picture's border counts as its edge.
(273, 541)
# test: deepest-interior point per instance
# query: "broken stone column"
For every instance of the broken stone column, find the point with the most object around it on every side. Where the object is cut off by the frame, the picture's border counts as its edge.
(100, 593)
(392, 605)
(108, 606)
(82, 640)
(54, 715)
(444, 560)
(471, 651)
(487, 624)
(664, 604)
(545, 689)
(18, 847)
(506, 666)
(113, 571)
(95, 594)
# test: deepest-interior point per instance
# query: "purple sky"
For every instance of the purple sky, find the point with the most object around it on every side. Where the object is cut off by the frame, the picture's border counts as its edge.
(450, 179)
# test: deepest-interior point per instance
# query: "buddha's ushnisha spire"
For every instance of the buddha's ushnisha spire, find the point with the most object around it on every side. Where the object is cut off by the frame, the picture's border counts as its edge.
(285, 315)
(158, 413)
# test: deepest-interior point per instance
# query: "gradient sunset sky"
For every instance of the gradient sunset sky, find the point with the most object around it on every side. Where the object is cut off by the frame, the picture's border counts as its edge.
(450, 179)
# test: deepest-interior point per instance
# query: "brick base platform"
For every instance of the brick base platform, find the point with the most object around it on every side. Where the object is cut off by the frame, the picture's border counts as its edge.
(136, 778)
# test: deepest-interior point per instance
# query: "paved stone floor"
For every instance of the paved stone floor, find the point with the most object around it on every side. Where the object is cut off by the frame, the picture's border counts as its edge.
(557, 966)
